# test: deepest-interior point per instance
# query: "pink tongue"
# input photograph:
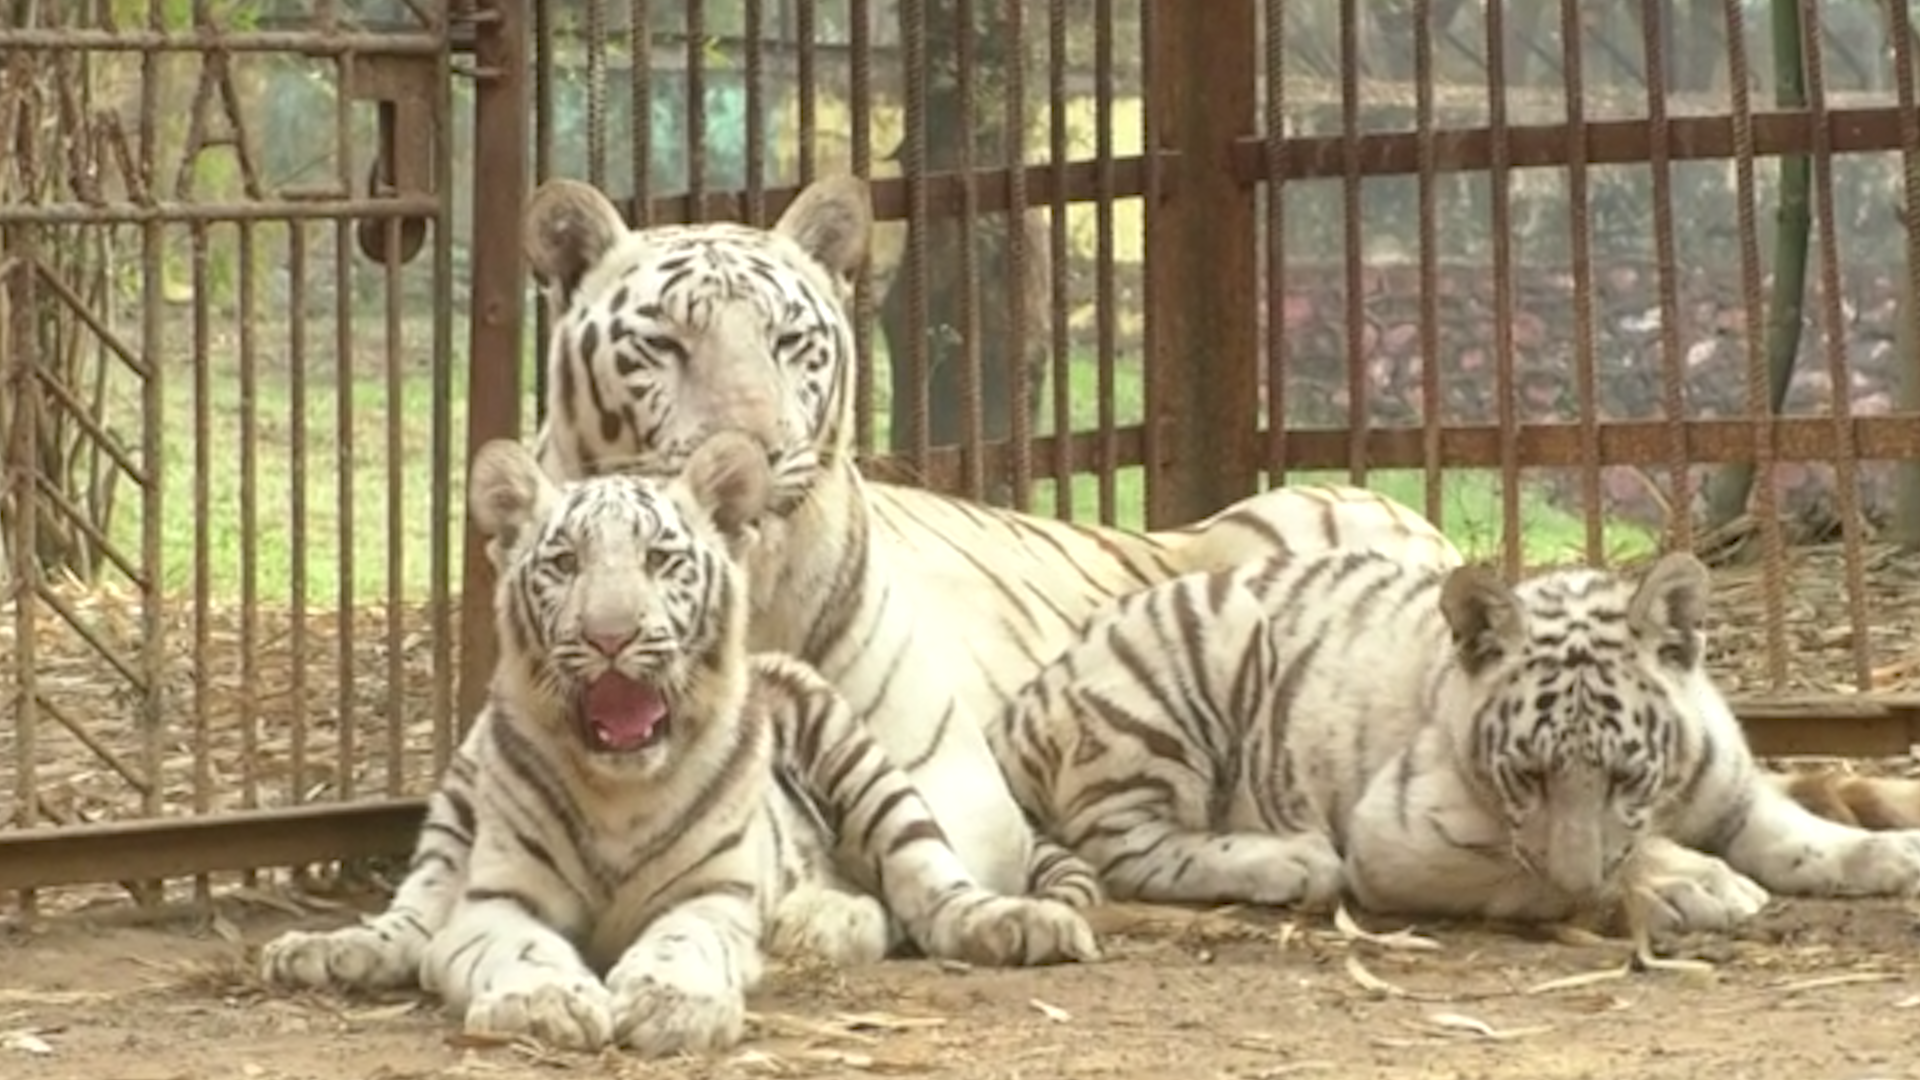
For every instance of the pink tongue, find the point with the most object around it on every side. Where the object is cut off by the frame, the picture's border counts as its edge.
(623, 712)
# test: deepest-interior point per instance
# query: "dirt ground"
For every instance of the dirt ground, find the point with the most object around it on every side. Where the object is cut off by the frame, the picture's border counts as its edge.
(1811, 990)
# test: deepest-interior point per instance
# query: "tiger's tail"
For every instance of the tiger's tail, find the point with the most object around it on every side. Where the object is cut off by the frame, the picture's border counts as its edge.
(1867, 802)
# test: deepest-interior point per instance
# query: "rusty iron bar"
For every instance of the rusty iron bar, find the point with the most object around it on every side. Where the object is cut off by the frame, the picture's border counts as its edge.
(1076, 181)
(1500, 172)
(1105, 329)
(1637, 443)
(1752, 275)
(1579, 200)
(179, 847)
(806, 31)
(1057, 188)
(913, 274)
(1428, 194)
(500, 140)
(1673, 394)
(1274, 149)
(1202, 263)
(1359, 386)
(639, 79)
(346, 780)
(314, 43)
(696, 110)
(1608, 142)
(206, 213)
(442, 499)
(1019, 475)
(1846, 457)
(297, 516)
(972, 423)
(860, 88)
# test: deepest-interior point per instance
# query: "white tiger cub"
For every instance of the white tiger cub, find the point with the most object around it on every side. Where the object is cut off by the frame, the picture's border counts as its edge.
(644, 799)
(1431, 740)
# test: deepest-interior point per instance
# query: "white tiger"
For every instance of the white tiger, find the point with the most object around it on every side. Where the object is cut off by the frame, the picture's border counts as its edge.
(1432, 741)
(645, 800)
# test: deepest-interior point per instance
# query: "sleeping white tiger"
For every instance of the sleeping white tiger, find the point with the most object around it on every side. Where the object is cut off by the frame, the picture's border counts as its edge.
(643, 801)
(1432, 741)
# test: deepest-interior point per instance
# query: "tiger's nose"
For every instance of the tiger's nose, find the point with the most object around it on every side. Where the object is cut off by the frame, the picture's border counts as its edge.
(610, 643)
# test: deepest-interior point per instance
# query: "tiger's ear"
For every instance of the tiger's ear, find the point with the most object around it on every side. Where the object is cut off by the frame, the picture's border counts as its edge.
(1485, 617)
(1669, 607)
(568, 227)
(730, 481)
(506, 492)
(832, 220)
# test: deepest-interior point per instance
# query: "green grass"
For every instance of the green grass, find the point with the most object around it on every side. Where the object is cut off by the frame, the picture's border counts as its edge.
(1470, 504)
(328, 525)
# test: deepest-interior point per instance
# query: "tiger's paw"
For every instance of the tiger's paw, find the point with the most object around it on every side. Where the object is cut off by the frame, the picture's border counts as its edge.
(842, 928)
(565, 1010)
(1706, 897)
(690, 1011)
(1301, 871)
(1880, 864)
(369, 957)
(1009, 931)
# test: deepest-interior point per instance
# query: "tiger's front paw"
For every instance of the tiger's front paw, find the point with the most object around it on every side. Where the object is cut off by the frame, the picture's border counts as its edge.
(842, 928)
(1707, 896)
(1009, 931)
(567, 1010)
(1881, 864)
(687, 1011)
(352, 958)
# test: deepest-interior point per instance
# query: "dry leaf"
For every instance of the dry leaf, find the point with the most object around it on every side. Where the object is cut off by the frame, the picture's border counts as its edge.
(1052, 1012)
(1824, 981)
(379, 1013)
(1475, 1026)
(1398, 939)
(26, 1042)
(1585, 978)
(839, 1057)
(1370, 982)
(879, 1021)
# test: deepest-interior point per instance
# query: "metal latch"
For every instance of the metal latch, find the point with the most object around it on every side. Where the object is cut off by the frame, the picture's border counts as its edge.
(403, 88)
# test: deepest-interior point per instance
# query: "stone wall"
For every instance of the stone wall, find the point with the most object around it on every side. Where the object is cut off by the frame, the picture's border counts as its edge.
(1712, 354)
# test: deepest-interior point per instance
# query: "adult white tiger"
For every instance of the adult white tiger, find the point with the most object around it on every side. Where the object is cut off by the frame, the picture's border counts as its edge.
(1434, 740)
(644, 798)
(900, 596)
